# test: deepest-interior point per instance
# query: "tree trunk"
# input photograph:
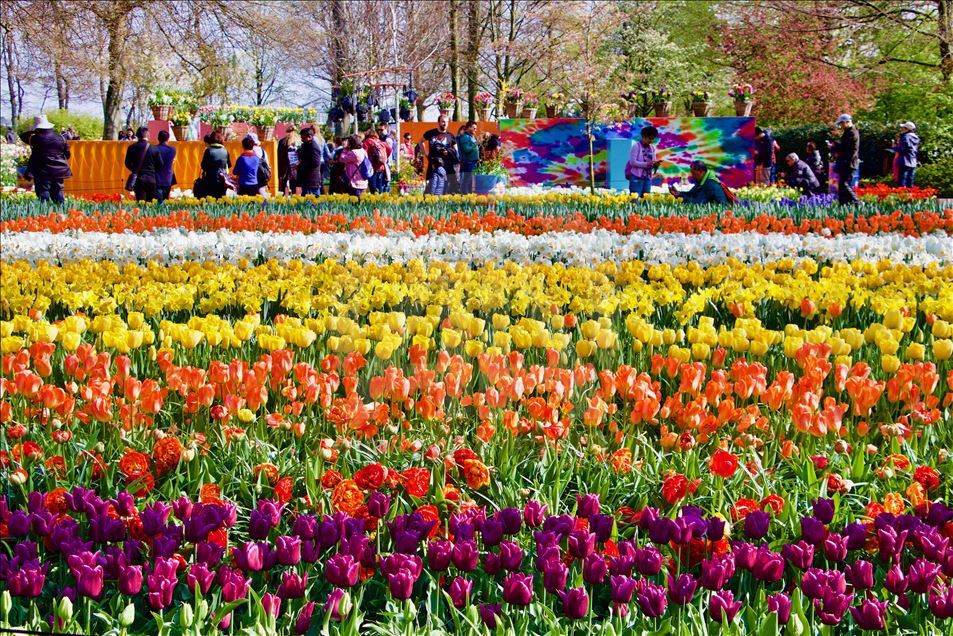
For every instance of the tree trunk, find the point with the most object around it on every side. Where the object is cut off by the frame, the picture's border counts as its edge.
(9, 62)
(62, 88)
(337, 49)
(945, 34)
(473, 52)
(115, 75)
(454, 59)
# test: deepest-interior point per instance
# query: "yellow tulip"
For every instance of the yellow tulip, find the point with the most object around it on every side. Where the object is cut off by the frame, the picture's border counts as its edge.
(893, 319)
(915, 351)
(700, 351)
(890, 363)
(585, 348)
(942, 349)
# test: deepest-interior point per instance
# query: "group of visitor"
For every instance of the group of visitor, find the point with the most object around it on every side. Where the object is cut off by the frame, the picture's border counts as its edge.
(452, 159)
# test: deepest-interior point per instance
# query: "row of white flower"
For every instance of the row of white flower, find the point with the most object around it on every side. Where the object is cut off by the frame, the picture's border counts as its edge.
(571, 248)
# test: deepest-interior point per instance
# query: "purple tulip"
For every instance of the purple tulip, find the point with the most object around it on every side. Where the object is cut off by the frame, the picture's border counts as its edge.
(813, 583)
(681, 591)
(648, 561)
(856, 534)
(288, 550)
(870, 615)
(199, 576)
(88, 574)
(459, 592)
(832, 606)
(716, 528)
(652, 600)
(303, 622)
(660, 530)
(338, 605)
(716, 572)
(623, 587)
(305, 527)
(465, 556)
(161, 582)
(823, 510)
(489, 612)
(155, 517)
(601, 526)
(941, 602)
(511, 556)
(208, 552)
(622, 565)
(561, 525)
(813, 531)
(398, 562)
(835, 547)
(891, 543)
(293, 585)
(130, 579)
(921, 576)
(756, 524)
(401, 584)
(27, 581)
(518, 589)
(722, 608)
(234, 585)
(587, 505)
(271, 604)
(18, 525)
(378, 504)
(932, 545)
(594, 569)
(342, 570)
(896, 582)
(799, 554)
(253, 557)
(511, 519)
(575, 602)
(555, 575)
(780, 604)
(768, 566)
(438, 555)
(861, 574)
(648, 516)
(581, 544)
(328, 534)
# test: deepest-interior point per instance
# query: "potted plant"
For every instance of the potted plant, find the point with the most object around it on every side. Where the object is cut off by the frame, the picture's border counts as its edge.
(484, 104)
(514, 103)
(554, 103)
(631, 101)
(488, 175)
(530, 105)
(742, 96)
(220, 118)
(161, 102)
(405, 111)
(662, 102)
(445, 102)
(181, 120)
(264, 119)
(701, 104)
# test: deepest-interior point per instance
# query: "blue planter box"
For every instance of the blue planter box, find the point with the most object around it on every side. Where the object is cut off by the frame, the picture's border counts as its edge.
(486, 182)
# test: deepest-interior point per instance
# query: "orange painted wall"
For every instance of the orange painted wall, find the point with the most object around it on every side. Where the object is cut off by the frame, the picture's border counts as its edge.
(98, 165)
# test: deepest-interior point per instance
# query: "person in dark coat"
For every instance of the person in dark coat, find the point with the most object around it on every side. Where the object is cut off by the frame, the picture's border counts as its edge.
(215, 166)
(288, 160)
(707, 188)
(144, 161)
(49, 161)
(908, 147)
(815, 162)
(165, 179)
(847, 153)
(309, 163)
(800, 175)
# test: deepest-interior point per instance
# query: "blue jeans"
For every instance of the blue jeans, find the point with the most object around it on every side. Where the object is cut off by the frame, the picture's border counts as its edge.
(906, 176)
(640, 186)
(162, 193)
(467, 179)
(316, 191)
(48, 189)
(438, 182)
(379, 182)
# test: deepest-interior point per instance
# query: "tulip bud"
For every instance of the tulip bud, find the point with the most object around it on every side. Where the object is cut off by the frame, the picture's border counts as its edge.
(64, 610)
(188, 454)
(186, 616)
(158, 433)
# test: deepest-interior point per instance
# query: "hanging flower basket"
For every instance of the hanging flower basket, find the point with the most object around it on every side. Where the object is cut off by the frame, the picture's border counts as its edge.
(162, 113)
(743, 108)
(663, 109)
(406, 114)
(701, 109)
(180, 132)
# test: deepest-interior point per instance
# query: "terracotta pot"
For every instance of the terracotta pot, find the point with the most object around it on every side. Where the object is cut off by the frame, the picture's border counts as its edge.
(529, 113)
(445, 112)
(162, 113)
(266, 133)
(701, 109)
(224, 130)
(551, 111)
(743, 109)
(180, 132)
(514, 109)
(663, 109)
(485, 113)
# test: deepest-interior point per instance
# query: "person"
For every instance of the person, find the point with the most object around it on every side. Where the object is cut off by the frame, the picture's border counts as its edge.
(407, 152)
(338, 181)
(815, 162)
(309, 163)
(489, 147)
(847, 153)
(353, 156)
(165, 179)
(642, 163)
(264, 170)
(288, 160)
(144, 161)
(328, 152)
(11, 136)
(707, 188)
(442, 157)
(469, 157)
(379, 154)
(800, 175)
(763, 156)
(215, 165)
(246, 168)
(49, 161)
(383, 133)
(907, 153)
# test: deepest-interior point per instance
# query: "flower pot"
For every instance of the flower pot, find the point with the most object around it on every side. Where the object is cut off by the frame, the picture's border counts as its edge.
(663, 109)
(551, 111)
(701, 109)
(223, 130)
(632, 109)
(485, 112)
(514, 109)
(445, 112)
(406, 114)
(529, 112)
(743, 109)
(162, 113)
(180, 132)
(485, 183)
(266, 133)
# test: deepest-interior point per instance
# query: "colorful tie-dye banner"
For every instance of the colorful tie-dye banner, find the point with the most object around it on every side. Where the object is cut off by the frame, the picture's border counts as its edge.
(556, 152)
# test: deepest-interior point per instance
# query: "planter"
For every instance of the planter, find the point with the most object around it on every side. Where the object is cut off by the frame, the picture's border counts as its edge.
(406, 114)
(663, 109)
(445, 112)
(180, 132)
(743, 109)
(529, 112)
(551, 111)
(485, 183)
(513, 109)
(266, 133)
(162, 113)
(632, 109)
(223, 130)
(701, 109)
(485, 113)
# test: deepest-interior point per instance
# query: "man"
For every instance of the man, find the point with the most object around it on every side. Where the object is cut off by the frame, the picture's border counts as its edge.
(469, 157)
(379, 154)
(847, 152)
(49, 161)
(800, 175)
(165, 178)
(309, 163)
(143, 160)
(383, 133)
(442, 157)
(909, 145)
(11, 136)
(763, 156)
(707, 188)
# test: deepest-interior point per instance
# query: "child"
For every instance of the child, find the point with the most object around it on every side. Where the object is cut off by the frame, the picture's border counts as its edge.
(246, 169)
(642, 163)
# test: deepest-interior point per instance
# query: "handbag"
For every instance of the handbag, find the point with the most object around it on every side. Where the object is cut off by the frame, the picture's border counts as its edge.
(227, 180)
(264, 171)
(132, 178)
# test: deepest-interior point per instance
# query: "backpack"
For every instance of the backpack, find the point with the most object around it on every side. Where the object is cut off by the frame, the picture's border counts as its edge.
(377, 154)
(264, 171)
(366, 169)
(731, 196)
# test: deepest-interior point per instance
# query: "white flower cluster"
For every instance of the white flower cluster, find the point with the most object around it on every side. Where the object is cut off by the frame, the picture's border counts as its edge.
(570, 248)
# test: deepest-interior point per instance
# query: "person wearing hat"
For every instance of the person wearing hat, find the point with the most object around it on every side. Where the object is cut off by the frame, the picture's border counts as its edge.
(49, 161)
(800, 175)
(908, 147)
(847, 153)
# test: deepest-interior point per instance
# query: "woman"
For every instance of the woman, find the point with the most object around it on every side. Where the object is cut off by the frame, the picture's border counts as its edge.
(352, 157)
(815, 162)
(215, 166)
(144, 161)
(407, 148)
(246, 169)
(288, 160)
